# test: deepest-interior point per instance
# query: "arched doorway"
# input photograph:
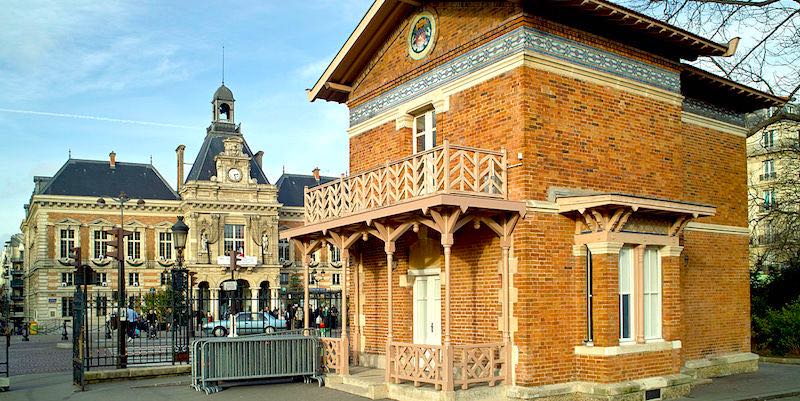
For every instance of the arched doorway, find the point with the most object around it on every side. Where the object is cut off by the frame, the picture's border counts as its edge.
(203, 297)
(236, 301)
(264, 296)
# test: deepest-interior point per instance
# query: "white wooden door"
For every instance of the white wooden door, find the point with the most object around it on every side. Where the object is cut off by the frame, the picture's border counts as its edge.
(427, 310)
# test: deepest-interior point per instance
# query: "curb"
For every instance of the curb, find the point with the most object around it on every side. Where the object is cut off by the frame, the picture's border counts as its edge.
(771, 396)
(781, 360)
(100, 376)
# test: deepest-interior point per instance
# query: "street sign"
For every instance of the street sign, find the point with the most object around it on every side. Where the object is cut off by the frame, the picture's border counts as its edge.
(229, 285)
(241, 261)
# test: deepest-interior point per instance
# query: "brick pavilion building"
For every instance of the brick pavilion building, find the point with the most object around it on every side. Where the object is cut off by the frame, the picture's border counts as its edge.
(545, 202)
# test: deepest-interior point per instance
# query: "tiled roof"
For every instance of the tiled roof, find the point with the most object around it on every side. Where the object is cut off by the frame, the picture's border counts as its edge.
(96, 178)
(290, 187)
(205, 167)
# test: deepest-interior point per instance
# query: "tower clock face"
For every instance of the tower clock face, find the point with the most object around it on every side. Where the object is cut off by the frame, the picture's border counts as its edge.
(234, 174)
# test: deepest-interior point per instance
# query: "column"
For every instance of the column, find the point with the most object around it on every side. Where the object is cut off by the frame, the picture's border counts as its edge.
(447, 372)
(305, 289)
(214, 303)
(254, 293)
(345, 354)
(505, 287)
(671, 306)
(357, 311)
(605, 291)
(389, 248)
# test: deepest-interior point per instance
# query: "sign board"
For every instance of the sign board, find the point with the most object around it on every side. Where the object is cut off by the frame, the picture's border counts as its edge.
(229, 285)
(242, 261)
(51, 300)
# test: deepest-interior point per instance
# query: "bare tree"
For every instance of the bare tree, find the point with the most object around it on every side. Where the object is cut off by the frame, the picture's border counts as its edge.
(769, 51)
(776, 217)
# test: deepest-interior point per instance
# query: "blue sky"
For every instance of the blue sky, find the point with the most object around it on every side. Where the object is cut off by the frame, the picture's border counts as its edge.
(160, 62)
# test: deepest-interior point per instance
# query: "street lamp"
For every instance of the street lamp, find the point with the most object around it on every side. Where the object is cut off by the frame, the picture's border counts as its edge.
(180, 231)
(121, 200)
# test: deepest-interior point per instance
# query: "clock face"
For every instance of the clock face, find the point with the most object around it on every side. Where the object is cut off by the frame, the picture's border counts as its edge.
(234, 174)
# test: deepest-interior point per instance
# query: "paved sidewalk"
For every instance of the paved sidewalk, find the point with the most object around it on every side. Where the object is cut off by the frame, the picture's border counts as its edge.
(772, 381)
(46, 387)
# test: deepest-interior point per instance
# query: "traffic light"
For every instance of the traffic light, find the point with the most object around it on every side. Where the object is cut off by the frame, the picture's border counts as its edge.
(115, 244)
(84, 274)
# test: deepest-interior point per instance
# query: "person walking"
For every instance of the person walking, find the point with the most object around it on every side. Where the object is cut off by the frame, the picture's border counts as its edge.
(130, 322)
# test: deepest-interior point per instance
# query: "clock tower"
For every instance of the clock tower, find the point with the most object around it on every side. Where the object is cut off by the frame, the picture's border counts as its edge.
(229, 203)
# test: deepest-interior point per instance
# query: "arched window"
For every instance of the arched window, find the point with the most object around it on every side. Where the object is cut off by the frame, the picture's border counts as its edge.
(224, 111)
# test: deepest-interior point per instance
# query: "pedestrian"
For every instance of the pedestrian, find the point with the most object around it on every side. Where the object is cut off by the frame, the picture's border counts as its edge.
(130, 324)
(152, 324)
(334, 317)
(199, 315)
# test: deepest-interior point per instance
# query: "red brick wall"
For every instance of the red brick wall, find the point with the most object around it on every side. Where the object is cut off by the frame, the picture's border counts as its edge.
(716, 295)
(579, 135)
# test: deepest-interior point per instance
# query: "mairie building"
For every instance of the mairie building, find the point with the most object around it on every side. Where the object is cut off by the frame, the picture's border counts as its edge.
(545, 201)
(225, 198)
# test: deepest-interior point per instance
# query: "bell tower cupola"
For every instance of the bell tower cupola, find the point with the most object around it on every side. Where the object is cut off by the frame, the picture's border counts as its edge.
(222, 105)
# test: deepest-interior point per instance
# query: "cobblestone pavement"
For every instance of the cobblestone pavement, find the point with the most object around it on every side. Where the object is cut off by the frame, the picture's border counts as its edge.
(39, 355)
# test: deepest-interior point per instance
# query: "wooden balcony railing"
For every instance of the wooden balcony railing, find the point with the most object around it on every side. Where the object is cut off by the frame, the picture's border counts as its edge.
(443, 169)
(469, 364)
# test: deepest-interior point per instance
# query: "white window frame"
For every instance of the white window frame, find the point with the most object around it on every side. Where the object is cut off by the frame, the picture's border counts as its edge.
(627, 288)
(165, 245)
(769, 198)
(133, 247)
(102, 278)
(66, 243)
(235, 239)
(428, 133)
(283, 250)
(133, 278)
(68, 278)
(768, 138)
(769, 168)
(652, 293)
(99, 244)
(334, 254)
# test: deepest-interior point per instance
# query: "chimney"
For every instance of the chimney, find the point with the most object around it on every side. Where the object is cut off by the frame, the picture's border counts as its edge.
(258, 156)
(112, 160)
(315, 172)
(179, 153)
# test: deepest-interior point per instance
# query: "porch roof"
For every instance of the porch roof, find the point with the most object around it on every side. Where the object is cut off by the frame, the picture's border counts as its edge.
(407, 210)
(581, 203)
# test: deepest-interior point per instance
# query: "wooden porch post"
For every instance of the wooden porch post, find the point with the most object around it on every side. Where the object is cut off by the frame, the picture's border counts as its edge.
(447, 243)
(357, 311)
(305, 288)
(389, 260)
(506, 289)
(345, 351)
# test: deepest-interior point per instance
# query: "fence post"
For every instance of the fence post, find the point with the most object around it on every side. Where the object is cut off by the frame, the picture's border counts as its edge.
(446, 164)
(504, 167)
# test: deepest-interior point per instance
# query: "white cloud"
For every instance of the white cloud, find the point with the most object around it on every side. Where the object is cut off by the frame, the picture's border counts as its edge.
(52, 49)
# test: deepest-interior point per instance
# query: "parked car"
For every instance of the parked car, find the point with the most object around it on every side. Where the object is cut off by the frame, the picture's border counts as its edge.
(246, 323)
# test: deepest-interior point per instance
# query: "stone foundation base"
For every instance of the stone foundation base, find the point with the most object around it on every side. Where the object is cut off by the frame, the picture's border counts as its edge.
(723, 365)
(672, 386)
(377, 361)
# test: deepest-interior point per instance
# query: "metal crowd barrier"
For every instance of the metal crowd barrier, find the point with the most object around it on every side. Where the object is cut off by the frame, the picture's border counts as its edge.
(294, 353)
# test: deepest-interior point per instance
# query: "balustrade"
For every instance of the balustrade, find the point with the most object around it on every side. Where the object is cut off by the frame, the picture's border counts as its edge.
(443, 169)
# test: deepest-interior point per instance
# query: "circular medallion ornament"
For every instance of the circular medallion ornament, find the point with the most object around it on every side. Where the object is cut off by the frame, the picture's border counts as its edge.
(422, 35)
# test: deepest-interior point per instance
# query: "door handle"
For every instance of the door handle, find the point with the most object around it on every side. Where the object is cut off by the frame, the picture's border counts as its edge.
(431, 327)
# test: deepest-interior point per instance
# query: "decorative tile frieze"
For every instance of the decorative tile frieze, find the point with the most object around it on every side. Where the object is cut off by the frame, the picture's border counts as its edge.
(517, 41)
(711, 111)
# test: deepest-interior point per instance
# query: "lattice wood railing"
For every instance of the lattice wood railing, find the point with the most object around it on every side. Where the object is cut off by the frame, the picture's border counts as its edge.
(331, 354)
(443, 169)
(481, 363)
(417, 363)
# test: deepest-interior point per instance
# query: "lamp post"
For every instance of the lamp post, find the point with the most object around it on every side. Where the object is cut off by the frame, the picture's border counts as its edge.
(180, 276)
(121, 200)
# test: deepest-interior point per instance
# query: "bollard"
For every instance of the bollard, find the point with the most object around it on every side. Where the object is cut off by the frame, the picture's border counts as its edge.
(64, 335)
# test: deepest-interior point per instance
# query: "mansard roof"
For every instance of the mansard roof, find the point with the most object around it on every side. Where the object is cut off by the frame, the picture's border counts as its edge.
(205, 166)
(290, 187)
(599, 17)
(96, 178)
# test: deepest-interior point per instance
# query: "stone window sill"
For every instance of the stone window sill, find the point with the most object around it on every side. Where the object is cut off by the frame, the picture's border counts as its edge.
(652, 346)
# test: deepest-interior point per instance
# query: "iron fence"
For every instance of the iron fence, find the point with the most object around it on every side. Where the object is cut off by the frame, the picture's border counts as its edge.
(159, 325)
